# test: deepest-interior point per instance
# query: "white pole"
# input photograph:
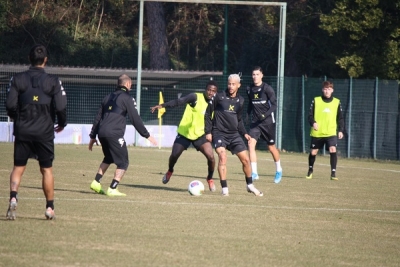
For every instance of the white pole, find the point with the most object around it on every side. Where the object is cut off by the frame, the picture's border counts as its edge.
(139, 63)
(281, 73)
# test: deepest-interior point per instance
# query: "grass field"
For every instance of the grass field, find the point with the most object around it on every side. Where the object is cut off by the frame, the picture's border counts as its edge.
(351, 222)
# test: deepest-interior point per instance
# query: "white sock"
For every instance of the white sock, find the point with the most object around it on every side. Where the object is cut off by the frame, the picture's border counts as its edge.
(254, 167)
(225, 191)
(278, 166)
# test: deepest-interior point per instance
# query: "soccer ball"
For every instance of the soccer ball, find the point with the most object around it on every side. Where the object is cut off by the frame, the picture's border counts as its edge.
(196, 188)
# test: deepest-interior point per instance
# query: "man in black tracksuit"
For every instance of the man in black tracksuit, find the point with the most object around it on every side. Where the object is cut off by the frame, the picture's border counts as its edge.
(262, 106)
(225, 129)
(109, 125)
(34, 100)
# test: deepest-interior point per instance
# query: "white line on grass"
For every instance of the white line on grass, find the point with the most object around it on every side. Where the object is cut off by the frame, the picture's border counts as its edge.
(306, 163)
(215, 204)
(338, 167)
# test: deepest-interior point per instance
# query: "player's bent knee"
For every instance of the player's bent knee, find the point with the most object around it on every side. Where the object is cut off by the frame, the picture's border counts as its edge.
(210, 157)
(245, 162)
(222, 160)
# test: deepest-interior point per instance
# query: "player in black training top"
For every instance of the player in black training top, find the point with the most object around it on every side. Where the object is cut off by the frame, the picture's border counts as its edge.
(109, 125)
(35, 99)
(225, 129)
(261, 108)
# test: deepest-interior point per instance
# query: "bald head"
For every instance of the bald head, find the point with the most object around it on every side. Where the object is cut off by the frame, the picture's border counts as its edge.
(125, 81)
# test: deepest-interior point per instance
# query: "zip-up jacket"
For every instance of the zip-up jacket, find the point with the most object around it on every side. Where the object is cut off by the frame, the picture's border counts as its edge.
(110, 120)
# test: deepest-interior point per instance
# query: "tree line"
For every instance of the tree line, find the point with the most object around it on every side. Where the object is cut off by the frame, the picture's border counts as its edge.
(334, 38)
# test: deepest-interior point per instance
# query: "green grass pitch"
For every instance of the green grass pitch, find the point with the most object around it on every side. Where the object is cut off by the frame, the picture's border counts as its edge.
(351, 222)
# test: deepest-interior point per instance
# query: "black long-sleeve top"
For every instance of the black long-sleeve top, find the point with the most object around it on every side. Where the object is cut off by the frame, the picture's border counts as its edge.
(113, 124)
(34, 100)
(190, 99)
(224, 113)
(262, 103)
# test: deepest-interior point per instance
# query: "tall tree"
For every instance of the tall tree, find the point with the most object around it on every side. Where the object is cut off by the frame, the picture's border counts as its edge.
(195, 35)
(367, 35)
(157, 35)
(308, 46)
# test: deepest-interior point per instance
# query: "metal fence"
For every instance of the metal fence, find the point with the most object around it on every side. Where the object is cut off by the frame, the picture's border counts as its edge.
(371, 107)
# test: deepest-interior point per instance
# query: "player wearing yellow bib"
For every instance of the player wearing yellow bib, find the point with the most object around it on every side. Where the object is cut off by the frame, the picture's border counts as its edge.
(191, 130)
(325, 118)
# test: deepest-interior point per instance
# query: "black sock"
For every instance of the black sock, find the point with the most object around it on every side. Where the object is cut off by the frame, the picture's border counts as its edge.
(224, 183)
(210, 175)
(50, 204)
(249, 180)
(333, 162)
(13, 194)
(311, 161)
(114, 184)
(171, 170)
(98, 177)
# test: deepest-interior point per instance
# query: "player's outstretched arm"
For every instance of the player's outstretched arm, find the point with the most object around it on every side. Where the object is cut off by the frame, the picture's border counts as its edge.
(155, 107)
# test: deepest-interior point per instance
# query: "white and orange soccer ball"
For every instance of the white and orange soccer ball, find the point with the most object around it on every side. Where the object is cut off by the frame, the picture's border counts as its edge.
(196, 188)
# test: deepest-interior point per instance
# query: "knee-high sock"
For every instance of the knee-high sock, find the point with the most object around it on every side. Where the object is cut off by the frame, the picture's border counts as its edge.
(311, 161)
(333, 161)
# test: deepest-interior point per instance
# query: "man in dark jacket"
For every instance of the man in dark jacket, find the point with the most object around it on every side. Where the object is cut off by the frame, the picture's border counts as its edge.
(225, 129)
(109, 125)
(262, 107)
(34, 100)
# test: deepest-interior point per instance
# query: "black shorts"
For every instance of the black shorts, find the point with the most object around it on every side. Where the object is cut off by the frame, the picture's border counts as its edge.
(264, 131)
(180, 139)
(232, 142)
(115, 151)
(42, 151)
(319, 142)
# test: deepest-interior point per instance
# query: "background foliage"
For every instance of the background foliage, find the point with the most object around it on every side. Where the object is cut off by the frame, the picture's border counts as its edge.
(358, 38)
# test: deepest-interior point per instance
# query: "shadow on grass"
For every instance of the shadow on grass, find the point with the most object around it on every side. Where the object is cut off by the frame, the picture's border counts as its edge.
(62, 190)
(166, 188)
(23, 218)
(184, 176)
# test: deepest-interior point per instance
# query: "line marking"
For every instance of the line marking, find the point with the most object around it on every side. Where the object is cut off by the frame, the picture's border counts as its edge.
(338, 167)
(219, 204)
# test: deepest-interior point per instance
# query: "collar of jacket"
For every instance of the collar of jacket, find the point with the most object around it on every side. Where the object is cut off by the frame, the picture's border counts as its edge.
(122, 88)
